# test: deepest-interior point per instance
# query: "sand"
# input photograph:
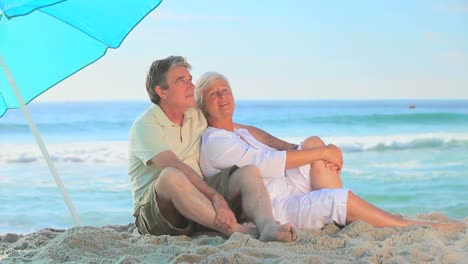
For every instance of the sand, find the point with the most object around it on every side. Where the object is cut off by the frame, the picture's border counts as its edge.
(356, 243)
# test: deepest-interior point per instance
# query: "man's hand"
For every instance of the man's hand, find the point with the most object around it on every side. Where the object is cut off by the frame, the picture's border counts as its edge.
(224, 218)
(333, 158)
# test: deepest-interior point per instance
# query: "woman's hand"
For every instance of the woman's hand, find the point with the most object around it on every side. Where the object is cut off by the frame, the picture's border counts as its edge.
(333, 158)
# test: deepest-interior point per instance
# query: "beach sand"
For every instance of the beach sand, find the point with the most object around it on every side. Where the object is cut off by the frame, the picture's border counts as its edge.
(356, 243)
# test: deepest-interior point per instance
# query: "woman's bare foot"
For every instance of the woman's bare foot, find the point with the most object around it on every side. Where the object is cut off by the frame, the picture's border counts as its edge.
(253, 231)
(278, 232)
(398, 215)
(243, 229)
(450, 227)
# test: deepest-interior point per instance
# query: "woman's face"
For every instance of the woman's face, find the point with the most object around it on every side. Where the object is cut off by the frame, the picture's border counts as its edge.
(218, 100)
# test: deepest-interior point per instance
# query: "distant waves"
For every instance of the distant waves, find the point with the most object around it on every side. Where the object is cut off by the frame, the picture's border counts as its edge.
(399, 142)
(368, 119)
(115, 152)
(112, 152)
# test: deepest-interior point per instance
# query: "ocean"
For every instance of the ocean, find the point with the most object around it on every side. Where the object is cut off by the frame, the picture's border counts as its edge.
(407, 160)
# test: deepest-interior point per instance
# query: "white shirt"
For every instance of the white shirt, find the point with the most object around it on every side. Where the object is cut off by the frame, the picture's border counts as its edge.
(221, 149)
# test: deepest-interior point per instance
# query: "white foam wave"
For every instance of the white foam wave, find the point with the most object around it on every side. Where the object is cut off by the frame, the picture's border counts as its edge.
(112, 152)
(116, 152)
(393, 142)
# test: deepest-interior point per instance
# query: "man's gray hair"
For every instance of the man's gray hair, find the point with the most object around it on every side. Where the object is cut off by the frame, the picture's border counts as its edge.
(204, 82)
(157, 75)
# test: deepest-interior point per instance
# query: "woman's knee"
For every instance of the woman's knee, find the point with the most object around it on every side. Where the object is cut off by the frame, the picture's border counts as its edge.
(312, 142)
(248, 173)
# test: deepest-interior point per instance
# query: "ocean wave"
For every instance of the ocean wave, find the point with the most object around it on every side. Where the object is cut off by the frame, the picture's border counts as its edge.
(267, 120)
(116, 152)
(385, 119)
(106, 152)
(394, 142)
(101, 125)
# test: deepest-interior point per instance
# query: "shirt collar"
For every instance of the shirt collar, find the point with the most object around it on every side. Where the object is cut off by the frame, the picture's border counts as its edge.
(164, 120)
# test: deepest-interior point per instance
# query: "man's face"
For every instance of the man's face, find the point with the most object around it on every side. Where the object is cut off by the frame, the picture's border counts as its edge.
(179, 93)
(218, 100)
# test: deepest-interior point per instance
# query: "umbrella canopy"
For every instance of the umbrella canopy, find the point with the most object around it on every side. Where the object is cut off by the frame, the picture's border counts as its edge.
(42, 42)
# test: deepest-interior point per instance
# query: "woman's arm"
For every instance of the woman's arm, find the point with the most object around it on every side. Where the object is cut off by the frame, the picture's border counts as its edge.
(222, 149)
(296, 158)
(329, 153)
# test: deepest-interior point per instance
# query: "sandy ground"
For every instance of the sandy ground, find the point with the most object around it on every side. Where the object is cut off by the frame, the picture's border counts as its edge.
(356, 243)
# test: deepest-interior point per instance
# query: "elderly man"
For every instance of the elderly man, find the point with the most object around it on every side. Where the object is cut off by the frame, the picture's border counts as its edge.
(288, 174)
(169, 193)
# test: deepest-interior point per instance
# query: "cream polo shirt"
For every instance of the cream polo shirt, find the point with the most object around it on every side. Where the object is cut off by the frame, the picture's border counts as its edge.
(152, 133)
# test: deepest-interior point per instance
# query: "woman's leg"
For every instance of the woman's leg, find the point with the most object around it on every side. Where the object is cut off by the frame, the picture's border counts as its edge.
(321, 177)
(359, 209)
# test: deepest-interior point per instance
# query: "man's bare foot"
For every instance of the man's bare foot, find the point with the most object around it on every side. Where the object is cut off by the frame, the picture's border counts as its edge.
(451, 227)
(278, 232)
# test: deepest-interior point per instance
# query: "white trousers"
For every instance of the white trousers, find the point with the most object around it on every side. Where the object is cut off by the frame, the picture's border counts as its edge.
(307, 209)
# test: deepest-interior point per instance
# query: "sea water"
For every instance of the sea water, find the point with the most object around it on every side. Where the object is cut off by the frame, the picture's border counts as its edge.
(405, 156)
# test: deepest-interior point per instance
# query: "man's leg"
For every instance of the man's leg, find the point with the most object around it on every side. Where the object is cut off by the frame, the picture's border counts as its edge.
(321, 177)
(359, 209)
(247, 184)
(178, 200)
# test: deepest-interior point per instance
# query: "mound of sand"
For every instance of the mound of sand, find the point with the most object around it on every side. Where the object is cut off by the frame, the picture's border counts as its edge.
(358, 242)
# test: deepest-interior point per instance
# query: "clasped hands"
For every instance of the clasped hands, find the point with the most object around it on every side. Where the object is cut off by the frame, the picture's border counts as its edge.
(333, 158)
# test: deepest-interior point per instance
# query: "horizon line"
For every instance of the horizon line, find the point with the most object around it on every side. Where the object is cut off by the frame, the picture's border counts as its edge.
(260, 99)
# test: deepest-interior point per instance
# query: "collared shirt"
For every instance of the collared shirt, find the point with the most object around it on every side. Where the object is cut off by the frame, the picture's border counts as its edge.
(221, 149)
(152, 133)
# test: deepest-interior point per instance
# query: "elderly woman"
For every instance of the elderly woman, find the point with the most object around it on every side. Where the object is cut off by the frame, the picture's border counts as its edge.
(303, 184)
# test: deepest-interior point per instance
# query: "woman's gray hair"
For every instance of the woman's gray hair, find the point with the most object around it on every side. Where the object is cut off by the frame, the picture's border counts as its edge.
(157, 75)
(204, 82)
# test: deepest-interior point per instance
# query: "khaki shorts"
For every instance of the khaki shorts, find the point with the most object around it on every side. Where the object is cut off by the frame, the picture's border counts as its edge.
(149, 220)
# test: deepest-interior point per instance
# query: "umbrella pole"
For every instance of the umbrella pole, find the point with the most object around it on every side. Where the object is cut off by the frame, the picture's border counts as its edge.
(39, 141)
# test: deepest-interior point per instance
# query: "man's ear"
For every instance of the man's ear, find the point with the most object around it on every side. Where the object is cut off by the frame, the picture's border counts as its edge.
(159, 91)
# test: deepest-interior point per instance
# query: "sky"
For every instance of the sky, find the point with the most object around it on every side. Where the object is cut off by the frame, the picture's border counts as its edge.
(360, 49)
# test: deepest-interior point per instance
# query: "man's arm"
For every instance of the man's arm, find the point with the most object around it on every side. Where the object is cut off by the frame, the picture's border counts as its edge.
(295, 158)
(224, 215)
(268, 139)
(169, 159)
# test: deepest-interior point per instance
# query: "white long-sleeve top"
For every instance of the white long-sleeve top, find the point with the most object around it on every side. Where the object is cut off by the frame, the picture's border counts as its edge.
(221, 149)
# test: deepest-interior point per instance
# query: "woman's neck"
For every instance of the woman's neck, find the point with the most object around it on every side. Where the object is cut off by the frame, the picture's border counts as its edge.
(225, 124)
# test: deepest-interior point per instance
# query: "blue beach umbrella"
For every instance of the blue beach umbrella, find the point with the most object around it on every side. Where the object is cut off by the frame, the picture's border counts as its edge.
(42, 42)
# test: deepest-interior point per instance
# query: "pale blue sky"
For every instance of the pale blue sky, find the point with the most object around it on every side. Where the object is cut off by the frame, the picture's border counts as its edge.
(294, 50)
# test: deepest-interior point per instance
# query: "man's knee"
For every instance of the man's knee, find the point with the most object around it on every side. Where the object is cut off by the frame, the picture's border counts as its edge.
(312, 142)
(171, 184)
(170, 180)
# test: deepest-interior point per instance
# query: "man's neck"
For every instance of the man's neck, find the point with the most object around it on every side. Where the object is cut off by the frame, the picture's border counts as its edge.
(225, 124)
(176, 115)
